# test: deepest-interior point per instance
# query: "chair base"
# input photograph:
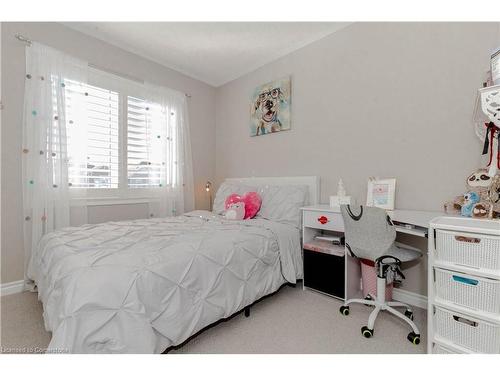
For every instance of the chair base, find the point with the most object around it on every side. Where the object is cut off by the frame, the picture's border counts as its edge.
(381, 304)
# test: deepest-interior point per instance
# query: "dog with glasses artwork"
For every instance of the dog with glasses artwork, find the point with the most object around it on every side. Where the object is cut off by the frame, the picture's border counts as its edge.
(270, 108)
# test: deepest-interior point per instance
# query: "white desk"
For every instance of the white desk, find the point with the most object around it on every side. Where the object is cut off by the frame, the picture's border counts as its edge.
(405, 221)
(326, 219)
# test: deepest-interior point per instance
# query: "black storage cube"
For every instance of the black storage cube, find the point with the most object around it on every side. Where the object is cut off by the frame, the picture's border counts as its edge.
(324, 272)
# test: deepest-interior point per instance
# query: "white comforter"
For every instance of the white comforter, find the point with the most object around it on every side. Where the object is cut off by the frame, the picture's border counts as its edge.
(141, 286)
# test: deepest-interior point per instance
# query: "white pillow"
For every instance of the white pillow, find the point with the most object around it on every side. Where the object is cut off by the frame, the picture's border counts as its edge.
(282, 203)
(225, 190)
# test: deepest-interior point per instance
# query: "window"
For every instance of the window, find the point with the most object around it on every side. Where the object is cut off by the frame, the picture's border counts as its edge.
(92, 126)
(147, 138)
(118, 142)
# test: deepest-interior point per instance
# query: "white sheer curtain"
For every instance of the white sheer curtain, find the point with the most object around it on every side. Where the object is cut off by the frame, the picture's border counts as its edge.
(57, 100)
(46, 199)
(177, 196)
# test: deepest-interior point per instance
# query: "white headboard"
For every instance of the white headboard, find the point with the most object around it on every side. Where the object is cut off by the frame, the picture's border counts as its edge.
(311, 181)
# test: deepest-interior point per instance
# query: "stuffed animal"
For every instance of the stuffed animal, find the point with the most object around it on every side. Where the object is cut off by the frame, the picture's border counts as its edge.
(479, 181)
(251, 200)
(484, 203)
(454, 207)
(235, 211)
(494, 197)
(470, 199)
(494, 190)
(481, 210)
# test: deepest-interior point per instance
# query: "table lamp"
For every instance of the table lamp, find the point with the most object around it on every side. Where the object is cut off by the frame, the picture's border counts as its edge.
(208, 188)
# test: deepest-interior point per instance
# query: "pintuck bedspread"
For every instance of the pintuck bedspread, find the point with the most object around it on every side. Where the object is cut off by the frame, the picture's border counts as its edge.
(142, 286)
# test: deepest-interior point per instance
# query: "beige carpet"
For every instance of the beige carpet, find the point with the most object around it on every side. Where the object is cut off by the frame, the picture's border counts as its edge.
(291, 321)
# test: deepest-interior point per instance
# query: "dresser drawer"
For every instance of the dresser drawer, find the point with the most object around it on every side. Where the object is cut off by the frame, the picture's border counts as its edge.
(440, 349)
(478, 251)
(471, 333)
(324, 220)
(473, 292)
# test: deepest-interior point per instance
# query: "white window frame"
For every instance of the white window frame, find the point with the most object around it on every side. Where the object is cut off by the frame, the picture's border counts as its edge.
(122, 194)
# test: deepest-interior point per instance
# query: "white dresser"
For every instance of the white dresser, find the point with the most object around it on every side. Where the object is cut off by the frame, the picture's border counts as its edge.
(464, 286)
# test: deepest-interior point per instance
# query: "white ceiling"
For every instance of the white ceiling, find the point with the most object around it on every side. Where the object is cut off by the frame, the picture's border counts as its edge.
(213, 52)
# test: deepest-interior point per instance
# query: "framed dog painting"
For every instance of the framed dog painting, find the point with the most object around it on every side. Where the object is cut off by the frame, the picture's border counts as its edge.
(270, 108)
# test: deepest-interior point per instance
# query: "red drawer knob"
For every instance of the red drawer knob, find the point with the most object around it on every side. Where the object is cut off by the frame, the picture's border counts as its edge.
(323, 219)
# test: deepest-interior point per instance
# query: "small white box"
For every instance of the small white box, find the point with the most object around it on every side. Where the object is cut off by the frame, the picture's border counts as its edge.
(336, 201)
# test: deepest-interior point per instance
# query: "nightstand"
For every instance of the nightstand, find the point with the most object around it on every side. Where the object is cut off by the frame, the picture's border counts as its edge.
(324, 266)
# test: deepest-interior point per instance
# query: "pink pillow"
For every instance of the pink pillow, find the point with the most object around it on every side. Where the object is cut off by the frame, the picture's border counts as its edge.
(252, 202)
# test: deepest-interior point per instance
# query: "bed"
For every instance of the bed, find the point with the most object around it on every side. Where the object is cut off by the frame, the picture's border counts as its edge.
(143, 286)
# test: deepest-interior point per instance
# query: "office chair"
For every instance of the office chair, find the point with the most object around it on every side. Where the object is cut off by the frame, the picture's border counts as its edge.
(370, 234)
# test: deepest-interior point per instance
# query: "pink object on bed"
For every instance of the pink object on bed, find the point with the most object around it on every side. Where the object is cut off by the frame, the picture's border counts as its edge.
(252, 202)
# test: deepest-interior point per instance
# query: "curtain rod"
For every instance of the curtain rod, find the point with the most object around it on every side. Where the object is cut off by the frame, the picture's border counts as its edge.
(29, 42)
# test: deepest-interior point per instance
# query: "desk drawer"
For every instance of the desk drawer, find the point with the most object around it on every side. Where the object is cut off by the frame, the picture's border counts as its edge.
(324, 220)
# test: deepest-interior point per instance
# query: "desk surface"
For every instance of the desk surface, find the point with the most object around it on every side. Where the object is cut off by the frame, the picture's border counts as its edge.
(412, 217)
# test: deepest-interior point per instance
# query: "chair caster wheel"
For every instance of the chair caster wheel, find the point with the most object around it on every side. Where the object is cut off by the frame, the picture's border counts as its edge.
(366, 332)
(368, 298)
(414, 338)
(409, 314)
(344, 310)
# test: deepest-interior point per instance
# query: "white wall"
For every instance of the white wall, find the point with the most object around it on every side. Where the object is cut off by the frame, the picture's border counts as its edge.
(201, 111)
(373, 99)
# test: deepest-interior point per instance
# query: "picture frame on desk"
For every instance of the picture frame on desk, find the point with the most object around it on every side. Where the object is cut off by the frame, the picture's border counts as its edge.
(381, 193)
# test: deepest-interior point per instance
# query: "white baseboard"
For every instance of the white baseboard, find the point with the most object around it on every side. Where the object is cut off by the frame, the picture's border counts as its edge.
(410, 298)
(11, 288)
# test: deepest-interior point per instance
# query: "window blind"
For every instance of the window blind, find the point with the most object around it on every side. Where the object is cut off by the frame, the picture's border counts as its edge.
(92, 123)
(148, 139)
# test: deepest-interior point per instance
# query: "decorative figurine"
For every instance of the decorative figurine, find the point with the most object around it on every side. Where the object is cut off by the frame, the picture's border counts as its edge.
(341, 197)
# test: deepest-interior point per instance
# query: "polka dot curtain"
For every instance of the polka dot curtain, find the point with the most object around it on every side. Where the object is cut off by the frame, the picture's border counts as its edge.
(46, 201)
(170, 134)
